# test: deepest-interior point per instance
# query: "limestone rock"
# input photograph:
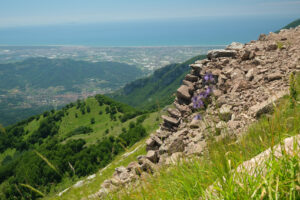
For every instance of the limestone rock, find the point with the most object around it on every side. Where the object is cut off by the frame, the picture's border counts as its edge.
(170, 120)
(274, 76)
(246, 55)
(174, 113)
(272, 46)
(250, 74)
(235, 46)
(174, 158)
(183, 92)
(266, 106)
(176, 145)
(262, 37)
(191, 78)
(152, 156)
(221, 53)
(225, 112)
(195, 148)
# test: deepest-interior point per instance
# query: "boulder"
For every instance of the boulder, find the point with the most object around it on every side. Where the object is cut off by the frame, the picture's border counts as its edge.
(266, 106)
(237, 74)
(221, 53)
(225, 112)
(183, 92)
(174, 158)
(195, 148)
(271, 47)
(152, 156)
(217, 93)
(153, 143)
(240, 85)
(192, 78)
(170, 120)
(174, 113)
(189, 84)
(147, 166)
(250, 75)
(183, 109)
(245, 55)
(106, 184)
(134, 167)
(262, 37)
(274, 76)
(235, 46)
(176, 145)
(197, 68)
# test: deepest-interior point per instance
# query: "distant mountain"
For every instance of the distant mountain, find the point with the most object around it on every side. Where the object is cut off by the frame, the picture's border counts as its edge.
(292, 24)
(38, 84)
(44, 73)
(156, 90)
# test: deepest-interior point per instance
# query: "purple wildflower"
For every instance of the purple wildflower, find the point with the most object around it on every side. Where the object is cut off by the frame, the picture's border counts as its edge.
(198, 117)
(208, 91)
(194, 99)
(198, 103)
(202, 95)
(208, 77)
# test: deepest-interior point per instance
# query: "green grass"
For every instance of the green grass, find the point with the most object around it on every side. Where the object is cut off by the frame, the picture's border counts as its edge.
(7, 152)
(190, 178)
(102, 123)
(93, 186)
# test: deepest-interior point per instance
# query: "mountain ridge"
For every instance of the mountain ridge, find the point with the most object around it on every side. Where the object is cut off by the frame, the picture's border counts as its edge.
(157, 89)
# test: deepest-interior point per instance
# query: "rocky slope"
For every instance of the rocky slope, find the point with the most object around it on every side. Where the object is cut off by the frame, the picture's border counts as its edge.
(222, 95)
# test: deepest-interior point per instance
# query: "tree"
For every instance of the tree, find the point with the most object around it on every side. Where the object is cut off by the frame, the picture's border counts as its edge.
(88, 109)
(93, 120)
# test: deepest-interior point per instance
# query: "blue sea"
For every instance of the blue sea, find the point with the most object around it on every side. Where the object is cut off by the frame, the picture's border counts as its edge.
(173, 32)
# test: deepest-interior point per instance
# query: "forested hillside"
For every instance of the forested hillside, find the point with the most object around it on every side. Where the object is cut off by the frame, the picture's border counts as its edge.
(292, 24)
(58, 146)
(156, 90)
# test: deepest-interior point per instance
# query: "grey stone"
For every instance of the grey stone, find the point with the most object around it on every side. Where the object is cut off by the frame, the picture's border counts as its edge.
(176, 145)
(192, 78)
(170, 120)
(221, 53)
(174, 113)
(225, 112)
(274, 76)
(262, 37)
(235, 46)
(152, 156)
(183, 92)
(250, 74)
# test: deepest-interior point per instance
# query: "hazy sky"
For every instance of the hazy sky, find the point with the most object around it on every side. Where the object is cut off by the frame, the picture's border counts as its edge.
(43, 12)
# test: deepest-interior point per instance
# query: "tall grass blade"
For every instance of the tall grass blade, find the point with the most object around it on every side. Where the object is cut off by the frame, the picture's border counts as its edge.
(33, 189)
(48, 162)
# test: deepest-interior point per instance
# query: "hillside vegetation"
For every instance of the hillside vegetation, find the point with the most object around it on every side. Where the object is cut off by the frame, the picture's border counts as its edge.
(292, 24)
(59, 147)
(37, 84)
(213, 175)
(156, 90)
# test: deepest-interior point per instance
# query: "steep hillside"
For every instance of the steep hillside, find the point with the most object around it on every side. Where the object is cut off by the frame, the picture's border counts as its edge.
(235, 169)
(212, 120)
(293, 24)
(61, 146)
(156, 90)
(36, 84)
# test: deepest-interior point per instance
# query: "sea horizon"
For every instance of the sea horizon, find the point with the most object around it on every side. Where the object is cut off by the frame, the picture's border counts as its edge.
(217, 31)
